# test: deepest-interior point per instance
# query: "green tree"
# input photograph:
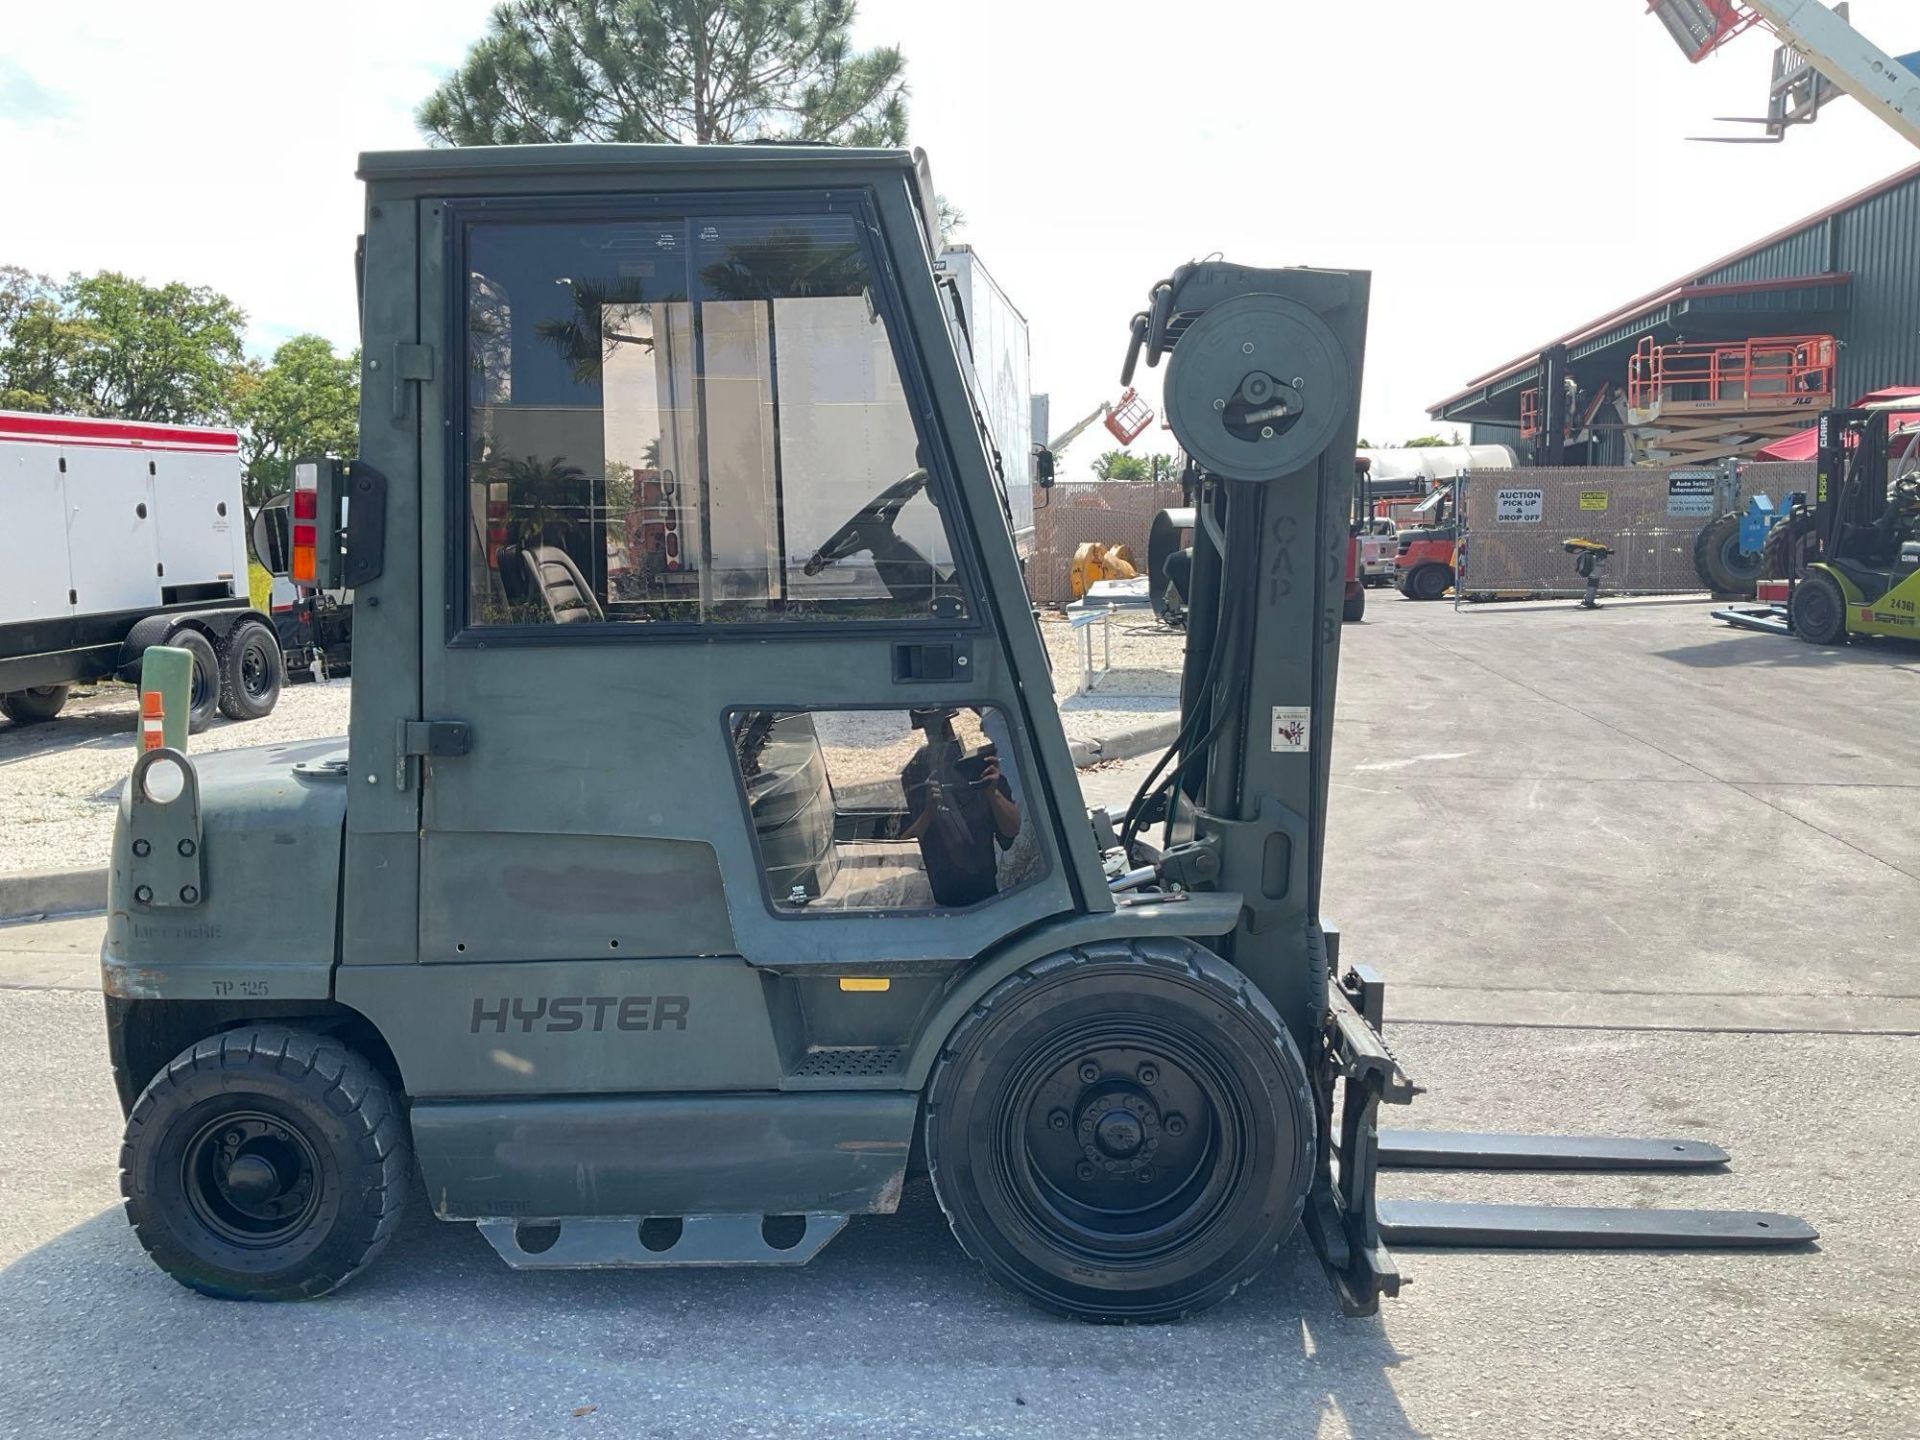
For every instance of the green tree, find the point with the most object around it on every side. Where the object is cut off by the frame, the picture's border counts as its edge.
(1119, 465)
(305, 402)
(108, 344)
(39, 342)
(1432, 442)
(670, 71)
(1163, 468)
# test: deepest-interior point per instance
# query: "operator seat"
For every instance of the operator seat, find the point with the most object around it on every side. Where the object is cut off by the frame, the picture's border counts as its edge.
(564, 590)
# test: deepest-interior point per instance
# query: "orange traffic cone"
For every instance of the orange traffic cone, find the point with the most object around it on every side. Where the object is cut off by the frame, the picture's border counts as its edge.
(153, 712)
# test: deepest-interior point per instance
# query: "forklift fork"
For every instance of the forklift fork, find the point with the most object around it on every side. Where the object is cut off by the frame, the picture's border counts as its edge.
(1351, 1227)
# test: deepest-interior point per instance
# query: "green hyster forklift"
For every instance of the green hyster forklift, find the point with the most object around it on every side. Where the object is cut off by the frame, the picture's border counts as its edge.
(706, 851)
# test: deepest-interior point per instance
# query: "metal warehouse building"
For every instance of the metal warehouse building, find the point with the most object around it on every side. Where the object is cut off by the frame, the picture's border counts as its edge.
(1727, 359)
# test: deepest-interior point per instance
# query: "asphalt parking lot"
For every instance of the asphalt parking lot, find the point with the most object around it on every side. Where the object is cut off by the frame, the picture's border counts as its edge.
(1627, 872)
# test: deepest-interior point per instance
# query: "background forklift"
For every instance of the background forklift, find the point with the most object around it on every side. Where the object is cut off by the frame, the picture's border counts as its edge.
(660, 915)
(1847, 562)
(1423, 568)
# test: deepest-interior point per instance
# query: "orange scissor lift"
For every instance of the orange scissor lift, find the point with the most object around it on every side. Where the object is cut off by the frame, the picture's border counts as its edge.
(1700, 402)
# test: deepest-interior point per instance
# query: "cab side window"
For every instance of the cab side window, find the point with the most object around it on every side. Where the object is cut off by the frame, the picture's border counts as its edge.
(694, 420)
(884, 809)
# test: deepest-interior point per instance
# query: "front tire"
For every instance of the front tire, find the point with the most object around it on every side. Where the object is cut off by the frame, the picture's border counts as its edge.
(1429, 582)
(1123, 1132)
(1819, 609)
(30, 707)
(265, 1163)
(1356, 604)
(203, 691)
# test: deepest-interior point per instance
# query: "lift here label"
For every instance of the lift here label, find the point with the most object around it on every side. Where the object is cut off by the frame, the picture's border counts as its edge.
(1526, 506)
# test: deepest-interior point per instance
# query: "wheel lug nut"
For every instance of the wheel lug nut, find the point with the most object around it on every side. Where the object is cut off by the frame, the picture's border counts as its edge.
(1059, 1120)
(1084, 1170)
(1176, 1124)
(1089, 1072)
(1149, 1074)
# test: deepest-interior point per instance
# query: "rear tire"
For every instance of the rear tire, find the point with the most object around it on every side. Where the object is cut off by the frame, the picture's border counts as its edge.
(1429, 582)
(1122, 1133)
(251, 670)
(1723, 567)
(1819, 609)
(31, 707)
(1356, 604)
(265, 1164)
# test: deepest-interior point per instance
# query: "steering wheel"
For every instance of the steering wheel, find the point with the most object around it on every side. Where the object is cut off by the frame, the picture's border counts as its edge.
(871, 525)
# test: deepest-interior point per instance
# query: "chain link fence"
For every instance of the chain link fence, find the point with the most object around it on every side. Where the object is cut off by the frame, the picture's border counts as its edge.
(1113, 512)
(1517, 522)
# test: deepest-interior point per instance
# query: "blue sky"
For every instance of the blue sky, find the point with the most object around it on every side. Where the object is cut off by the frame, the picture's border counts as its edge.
(1506, 168)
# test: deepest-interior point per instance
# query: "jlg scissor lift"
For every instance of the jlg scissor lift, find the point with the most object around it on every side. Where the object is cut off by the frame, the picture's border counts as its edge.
(654, 910)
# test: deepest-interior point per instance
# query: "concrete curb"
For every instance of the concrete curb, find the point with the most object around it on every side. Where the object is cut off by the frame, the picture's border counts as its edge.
(81, 892)
(53, 892)
(1125, 744)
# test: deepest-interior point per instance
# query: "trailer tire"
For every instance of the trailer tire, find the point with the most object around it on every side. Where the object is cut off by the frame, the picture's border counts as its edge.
(1355, 605)
(328, 1168)
(1819, 609)
(1429, 582)
(251, 670)
(1123, 1132)
(204, 696)
(1722, 565)
(31, 707)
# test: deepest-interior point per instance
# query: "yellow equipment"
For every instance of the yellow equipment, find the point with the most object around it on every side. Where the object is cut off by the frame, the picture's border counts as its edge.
(1094, 561)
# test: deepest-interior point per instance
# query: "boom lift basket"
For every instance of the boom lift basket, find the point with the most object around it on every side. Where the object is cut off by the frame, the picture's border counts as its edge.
(1699, 27)
(1128, 419)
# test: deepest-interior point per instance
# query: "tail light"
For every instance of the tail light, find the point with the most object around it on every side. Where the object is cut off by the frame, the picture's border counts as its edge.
(306, 522)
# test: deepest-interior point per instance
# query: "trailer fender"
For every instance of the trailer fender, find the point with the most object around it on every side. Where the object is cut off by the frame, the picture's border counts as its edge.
(1200, 916)
(160, 629)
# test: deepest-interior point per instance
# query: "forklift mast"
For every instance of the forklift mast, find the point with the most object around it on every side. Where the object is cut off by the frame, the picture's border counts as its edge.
(1262, 391)
(1852, 516)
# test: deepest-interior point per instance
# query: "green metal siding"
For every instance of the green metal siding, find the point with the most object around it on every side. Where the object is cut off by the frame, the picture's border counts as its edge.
(1879, 241)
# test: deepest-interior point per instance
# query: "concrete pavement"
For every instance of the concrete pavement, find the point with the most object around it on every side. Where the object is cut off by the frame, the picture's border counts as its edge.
(1627, 872)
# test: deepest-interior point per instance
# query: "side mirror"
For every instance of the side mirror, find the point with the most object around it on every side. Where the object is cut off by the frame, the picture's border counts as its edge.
(272, 536)
(1043, 466)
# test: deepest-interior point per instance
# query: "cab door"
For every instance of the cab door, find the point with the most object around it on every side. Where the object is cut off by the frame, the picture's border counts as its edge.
(715, 617)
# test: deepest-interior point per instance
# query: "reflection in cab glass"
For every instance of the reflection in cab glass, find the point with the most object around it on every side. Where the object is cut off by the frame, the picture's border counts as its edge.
(884, 809)
(690, 421)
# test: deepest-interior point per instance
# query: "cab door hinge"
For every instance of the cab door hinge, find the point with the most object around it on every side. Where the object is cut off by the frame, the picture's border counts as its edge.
(428, 739)
(411, 362)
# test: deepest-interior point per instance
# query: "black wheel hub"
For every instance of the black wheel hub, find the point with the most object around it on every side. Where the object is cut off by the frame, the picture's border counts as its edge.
(251, 1178)
(1120, 1130)
(256, 669)
(1122, 1141)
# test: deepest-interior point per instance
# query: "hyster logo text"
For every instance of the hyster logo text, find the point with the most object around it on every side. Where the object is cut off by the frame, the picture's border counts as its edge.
(564, 1013)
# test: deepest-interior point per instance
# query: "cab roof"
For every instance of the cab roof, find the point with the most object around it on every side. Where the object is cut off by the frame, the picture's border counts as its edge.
(467, 165)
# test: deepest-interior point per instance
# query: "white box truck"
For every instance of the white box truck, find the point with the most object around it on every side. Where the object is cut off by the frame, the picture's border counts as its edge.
(995, 339)
(116, 535)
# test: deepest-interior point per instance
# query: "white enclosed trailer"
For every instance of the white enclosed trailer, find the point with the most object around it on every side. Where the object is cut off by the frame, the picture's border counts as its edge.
(995, 341)
(116, 535)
